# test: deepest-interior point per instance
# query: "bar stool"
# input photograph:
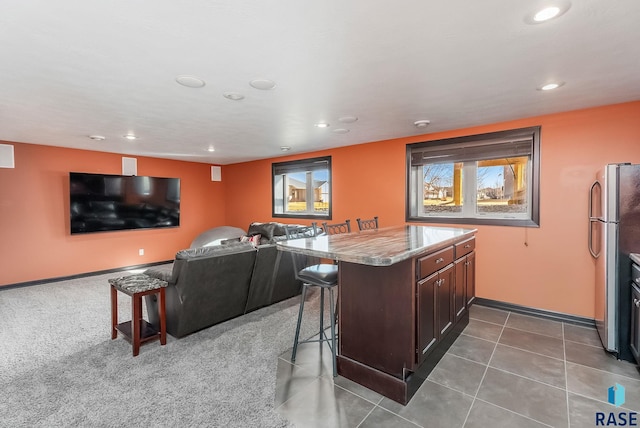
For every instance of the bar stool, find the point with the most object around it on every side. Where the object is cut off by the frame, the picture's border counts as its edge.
(138, 331)
(368, 224)
(337, 228)
(324, 276)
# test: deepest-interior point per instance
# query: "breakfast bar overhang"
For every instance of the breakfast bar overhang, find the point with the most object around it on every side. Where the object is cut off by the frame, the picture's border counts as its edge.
(403, 298)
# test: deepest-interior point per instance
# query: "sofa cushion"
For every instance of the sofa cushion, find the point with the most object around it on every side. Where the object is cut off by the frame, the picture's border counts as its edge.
(266, 230)
(217, 250)
(214, 236)
(254, 240)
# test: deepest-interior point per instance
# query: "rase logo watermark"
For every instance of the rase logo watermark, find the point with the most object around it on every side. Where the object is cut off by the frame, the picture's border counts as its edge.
(615, 396)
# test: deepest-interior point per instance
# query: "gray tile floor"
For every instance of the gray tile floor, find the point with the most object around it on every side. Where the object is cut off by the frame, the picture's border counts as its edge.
(505, 370)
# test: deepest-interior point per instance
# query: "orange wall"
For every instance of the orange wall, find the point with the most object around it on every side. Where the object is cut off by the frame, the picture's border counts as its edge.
(35, 242)
(548, 267)
(554, 271)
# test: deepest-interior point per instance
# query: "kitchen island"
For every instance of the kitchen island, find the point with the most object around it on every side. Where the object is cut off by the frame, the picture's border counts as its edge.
(403, 298)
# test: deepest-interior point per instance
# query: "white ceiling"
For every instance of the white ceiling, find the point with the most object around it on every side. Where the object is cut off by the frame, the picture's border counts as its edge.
(74, 68)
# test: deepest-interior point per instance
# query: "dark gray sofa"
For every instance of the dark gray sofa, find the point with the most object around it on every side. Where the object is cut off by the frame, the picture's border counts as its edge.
(209, 285)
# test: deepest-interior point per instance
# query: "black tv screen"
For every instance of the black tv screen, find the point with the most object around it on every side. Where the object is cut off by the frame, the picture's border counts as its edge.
(100, 203)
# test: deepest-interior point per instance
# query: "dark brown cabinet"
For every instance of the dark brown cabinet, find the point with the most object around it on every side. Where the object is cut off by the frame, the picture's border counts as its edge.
(435, 309)
(460, 288)
(635, 312)
(635, 322)
(427, 316)
(465, 274)
(446, 316)
(470, 278)
(397, 320)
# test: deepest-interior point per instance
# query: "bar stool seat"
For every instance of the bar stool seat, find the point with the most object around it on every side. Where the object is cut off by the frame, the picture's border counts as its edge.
(322, 274)
(138, 330)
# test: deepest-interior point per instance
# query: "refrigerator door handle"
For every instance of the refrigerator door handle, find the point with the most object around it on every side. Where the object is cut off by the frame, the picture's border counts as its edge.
(593, 253)
(592, 220)
(595, 183)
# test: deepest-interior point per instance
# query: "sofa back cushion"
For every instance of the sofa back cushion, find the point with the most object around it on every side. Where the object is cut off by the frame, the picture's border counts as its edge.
(212, 285)
(217, 250)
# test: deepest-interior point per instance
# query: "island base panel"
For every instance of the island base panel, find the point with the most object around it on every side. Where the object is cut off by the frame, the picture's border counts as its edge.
(375, 380)
(396, 389)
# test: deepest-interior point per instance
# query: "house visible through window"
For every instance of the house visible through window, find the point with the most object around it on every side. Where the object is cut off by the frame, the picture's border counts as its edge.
(302, 188)
(480, 179)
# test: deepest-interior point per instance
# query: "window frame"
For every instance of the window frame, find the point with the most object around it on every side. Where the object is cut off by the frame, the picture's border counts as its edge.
(533, 194)
(301, 165)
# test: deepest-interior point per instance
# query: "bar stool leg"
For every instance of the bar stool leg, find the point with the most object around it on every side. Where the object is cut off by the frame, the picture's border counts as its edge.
(295, 341)
(333, 333)
(321, 314)
(163, 318)
(114, 312)
(136, 321)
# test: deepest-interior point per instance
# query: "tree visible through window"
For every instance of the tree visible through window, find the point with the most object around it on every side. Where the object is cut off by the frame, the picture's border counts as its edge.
(302, 188)
(482, 179)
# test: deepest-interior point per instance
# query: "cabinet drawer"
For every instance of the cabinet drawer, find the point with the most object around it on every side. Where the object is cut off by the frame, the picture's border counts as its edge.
(434, 262)
(465, 247)
(635, 274)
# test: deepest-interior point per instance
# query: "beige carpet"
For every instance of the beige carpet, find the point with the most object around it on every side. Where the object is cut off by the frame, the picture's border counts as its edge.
(59, 366)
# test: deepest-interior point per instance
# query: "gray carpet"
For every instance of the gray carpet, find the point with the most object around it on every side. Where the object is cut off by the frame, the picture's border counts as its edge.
(59, 366)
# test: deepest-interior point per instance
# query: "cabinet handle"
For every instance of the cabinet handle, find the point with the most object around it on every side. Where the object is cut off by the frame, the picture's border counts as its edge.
(440, 260)
(467, 263)
(467, 246)
(636, 302)
(439, 282)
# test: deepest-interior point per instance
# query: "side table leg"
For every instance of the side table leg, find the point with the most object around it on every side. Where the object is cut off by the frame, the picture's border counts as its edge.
(163, 318)
(136, 318)
(114, 312)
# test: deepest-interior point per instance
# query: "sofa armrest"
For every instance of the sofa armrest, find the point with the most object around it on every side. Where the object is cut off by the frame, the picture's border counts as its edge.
(163, 272)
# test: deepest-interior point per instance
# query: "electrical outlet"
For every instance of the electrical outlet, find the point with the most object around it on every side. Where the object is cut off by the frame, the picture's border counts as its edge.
(141, 252)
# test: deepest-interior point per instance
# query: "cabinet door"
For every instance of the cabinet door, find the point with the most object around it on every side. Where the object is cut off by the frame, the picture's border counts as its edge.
(445, 311)
(427, 324)
(470, 277)
(635, 323)
(460, 288)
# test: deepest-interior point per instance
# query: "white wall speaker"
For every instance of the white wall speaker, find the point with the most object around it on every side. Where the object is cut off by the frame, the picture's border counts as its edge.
(216, 173)
(129, 166)
(6, 156)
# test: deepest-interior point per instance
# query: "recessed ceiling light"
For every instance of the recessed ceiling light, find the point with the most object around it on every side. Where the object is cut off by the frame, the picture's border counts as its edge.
(130, 137)
(422, 123)
(348, 119)
(97, 137)
(211, 149)
(263, 84)
(554, 10)
(340, 130)
(285, 148)
(234, 96)
(550, 86)
(322, 125)
(190, 81)
(546, 13)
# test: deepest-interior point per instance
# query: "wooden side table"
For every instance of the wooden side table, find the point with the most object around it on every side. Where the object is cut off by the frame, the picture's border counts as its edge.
(138, 330)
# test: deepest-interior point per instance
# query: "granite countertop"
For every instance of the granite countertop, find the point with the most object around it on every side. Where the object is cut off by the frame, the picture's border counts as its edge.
(379, 247)
(635, 258)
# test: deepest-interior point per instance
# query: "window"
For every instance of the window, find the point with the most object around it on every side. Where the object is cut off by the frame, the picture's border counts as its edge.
(480, 179)
(302, 189)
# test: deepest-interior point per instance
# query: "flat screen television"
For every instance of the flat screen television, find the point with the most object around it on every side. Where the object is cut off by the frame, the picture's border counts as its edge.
(101, 203)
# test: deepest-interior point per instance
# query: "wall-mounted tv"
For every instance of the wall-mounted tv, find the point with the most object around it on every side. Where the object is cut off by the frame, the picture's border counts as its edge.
(101, 203)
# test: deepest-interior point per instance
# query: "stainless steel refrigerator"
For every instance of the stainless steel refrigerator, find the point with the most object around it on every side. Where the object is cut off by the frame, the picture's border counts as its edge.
(614, 232)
